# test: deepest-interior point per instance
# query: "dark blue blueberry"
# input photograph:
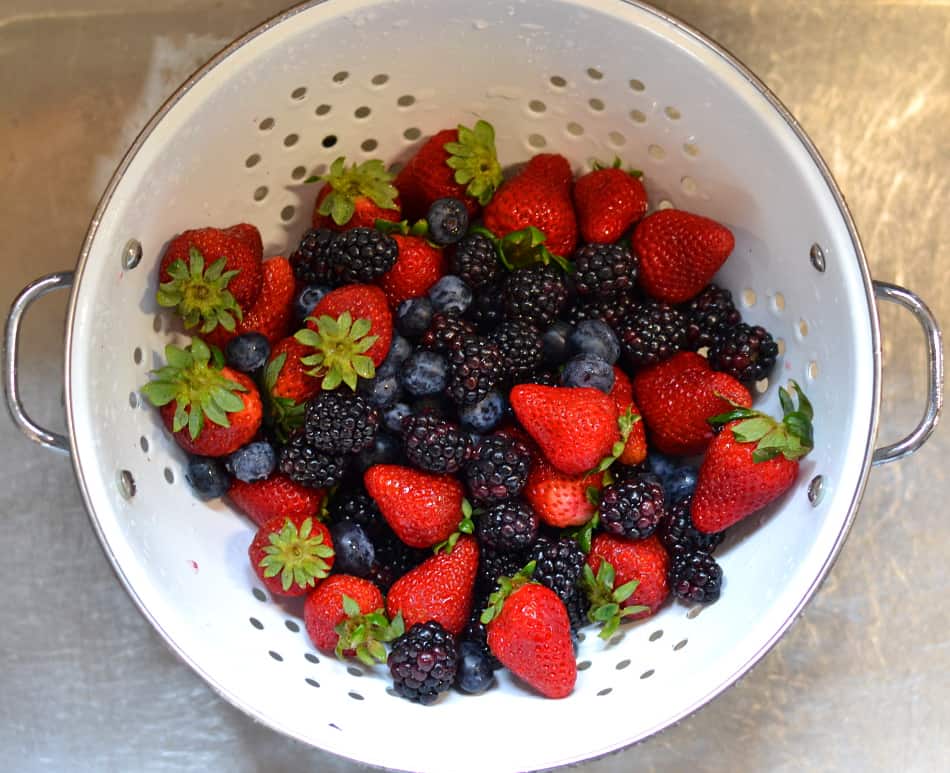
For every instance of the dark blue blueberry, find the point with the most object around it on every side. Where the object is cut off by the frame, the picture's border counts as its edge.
(447, 220)
(393, 417)
(679, 484)
(306, 299)
(208, 477)
(592, 336)
(247, 352)
(588, 370)
(450, 295)
(554, 341)
(381, 391)
(354, 550)
(386, 449)
(414, 316)
(473, 674)
(486, 414)
(255, 461)
(661, 465)
(425, 373)
(399, 351)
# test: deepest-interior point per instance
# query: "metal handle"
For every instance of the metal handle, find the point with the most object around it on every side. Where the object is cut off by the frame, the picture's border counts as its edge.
(913, 442)
(21, 418)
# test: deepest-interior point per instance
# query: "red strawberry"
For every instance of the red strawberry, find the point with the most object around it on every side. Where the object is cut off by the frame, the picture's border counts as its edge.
(575, 427)
(537, 197)
(644, 561)
(679, 252)
(277, 495)
(561, 500)
(362, 302)
(419, 265)
(441, 588)
(286, 376)
(608, 201)
(751, 462)
(211, 276)
(210, 409)
(421, 507)
(291, 554)
(459, 163)
(679, 396)
(358, 196)
(635, 451)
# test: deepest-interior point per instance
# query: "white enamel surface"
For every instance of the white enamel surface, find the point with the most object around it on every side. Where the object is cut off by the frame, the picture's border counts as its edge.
(185, 562)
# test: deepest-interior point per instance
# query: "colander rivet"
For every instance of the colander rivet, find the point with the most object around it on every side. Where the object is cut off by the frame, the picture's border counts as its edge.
(818, 257)
(126, 484)
(131, 254)
(816, 489)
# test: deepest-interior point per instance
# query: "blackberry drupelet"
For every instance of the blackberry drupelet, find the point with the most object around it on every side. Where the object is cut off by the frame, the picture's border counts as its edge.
(653, 332)
(604, 270)
(679, 535)
(475, 260)
(695, 577)
(613, 311)
(309, 466)
(488, 308)
(708, 315)
(445, 332)
(577, 609)
(520, 344)
(340, 423)
(744, 352)
(422, 662)
(510, 526)
(392, 557)
(357, 506)
(537, 294)
(497, 469)
(434, 444)
(312, 262)
(544, 377)
(476, 366)
(559, 566)
(632, 509)
(362, 254)
(493, 564)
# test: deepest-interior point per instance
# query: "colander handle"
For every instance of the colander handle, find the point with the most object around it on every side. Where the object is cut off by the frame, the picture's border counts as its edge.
(33, 291)
(913, 441)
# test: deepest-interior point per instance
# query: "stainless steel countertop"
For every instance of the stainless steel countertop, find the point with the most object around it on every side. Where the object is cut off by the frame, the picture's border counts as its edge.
(861, 682)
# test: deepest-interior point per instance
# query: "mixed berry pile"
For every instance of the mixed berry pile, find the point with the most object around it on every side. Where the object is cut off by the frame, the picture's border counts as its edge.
(472, 415)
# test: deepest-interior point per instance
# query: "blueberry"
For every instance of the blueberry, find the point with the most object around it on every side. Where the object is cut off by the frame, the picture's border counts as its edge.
(661, 465)
(486, 414)
(425, 373)
(679, 484)
(306, 300)
(208, 477)
(247, 352)
(255, 461)
(393, 417)
(588, 370)
(450, 295)
(447, 220)
(354, 550)
(473, 674)
(593, 336)
(399, 351)
(381, 391)
(385, 450)
(554, 342)
(413, 316)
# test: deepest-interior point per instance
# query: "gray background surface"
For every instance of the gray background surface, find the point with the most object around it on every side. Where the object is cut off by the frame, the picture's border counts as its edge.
(862, 682)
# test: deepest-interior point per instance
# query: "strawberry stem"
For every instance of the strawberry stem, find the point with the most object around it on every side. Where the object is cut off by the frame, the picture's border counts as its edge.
(340, 346)
(606, 600)
(475, 161)
(199, 295)
(507, 586)
(297, 555)
(367, 180)
(365, 634)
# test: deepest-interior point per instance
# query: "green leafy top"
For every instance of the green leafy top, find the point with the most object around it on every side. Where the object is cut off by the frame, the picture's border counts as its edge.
(200, 296)
(524, 247)
(793, 436)
(297, 555)
(596, 165)
(466, 526)
(341, 345)
(605, 600)
(369, 179)
(365, 634)
(625, 423)
(419, 228)
(475, 161)
(283, 413)
(507, 586)
(192, 378)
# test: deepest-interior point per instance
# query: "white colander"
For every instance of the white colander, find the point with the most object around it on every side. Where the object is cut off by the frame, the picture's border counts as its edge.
(369, 78)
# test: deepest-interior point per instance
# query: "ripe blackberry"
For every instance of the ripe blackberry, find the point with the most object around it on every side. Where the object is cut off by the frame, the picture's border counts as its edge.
(695, 577)
(357, 506)
(497, 469)
(559, 566)
(632, 509)
(446, 332)
(708, 315)
(493, 564)
(543, 377)
(393, 558)
(679, 535)
(340, 423)
(577, 609)
(309, 466)
(651, 333)
(475, 260)
(422, 662)
(537, 294)
(488, 308)
(507, 526)
(362, 254)
(744, 352)
(604, 270)
(476, 366)
(434, 444)
(520, 344)
(613, 311)
(312, 262)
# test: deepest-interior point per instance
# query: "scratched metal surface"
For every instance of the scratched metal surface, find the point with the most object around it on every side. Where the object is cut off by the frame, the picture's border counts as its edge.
(862, 682)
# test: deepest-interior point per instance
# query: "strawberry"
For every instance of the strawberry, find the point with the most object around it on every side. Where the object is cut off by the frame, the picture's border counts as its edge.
(678, 397)
(211, 276)
(644, 561)
(277, 495)
(529, 632)
(461, 163)
(291, 554)
(751, 462)
(345, 615)
(421, 507)
(635, 449)
(608, 200)
(210, 409)
(419, 265)
(561, 500)
(441, 588)
(288, 385)
(679, 252)
(539, 196)
(575, 427)
(358, 196)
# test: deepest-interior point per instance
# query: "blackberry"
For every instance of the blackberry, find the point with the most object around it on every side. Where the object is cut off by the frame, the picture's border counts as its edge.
(306, 465)
(446, 332)
(434, 444)
(488, 308)
(559, 566)
(507, 526)
(613, 311)
(632, 509)
(475, 260)
(312, 262)
(537, 294)
(543, 377)
(392, 557)
(708, 315)
(577, 609)
(422, 662)
(744, 352)
(476, 366)
(653, 332)
(520, 344)
(493, 564)
(497, 469)
(362, 254)
(679, 535)
(695, 577)
(604, 270)
(476, 632)
(338, 423)
(357, 506)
